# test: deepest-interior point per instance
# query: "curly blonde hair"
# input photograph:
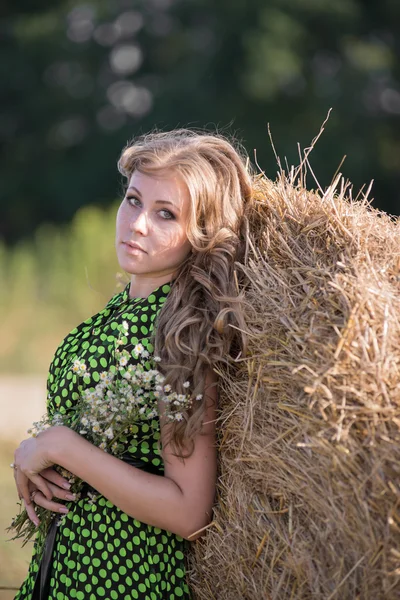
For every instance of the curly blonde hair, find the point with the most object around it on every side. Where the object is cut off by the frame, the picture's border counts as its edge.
(201, 324)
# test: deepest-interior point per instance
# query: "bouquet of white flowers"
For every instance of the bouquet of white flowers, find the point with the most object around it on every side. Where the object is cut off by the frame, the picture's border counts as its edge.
(107, 414)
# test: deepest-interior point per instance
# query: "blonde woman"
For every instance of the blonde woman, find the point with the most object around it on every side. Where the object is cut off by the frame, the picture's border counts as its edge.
(179, 231)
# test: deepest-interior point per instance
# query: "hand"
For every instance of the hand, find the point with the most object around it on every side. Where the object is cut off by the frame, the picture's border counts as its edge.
(59, 488)
(30, 459)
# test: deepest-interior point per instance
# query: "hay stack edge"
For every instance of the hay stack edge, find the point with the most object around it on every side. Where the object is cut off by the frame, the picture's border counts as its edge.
(309, 454)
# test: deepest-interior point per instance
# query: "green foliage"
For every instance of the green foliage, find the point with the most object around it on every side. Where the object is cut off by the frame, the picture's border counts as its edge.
(81, 78)
(50, 284)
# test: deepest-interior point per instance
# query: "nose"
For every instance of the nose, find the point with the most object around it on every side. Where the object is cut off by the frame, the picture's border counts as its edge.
(139, 223)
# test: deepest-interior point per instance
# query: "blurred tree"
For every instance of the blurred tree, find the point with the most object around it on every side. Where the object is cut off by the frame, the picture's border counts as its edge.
(80, 79)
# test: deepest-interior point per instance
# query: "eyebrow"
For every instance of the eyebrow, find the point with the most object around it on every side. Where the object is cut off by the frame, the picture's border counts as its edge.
(133, 188)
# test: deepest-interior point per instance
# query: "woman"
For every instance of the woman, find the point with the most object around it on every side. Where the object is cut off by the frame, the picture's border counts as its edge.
(179, 232)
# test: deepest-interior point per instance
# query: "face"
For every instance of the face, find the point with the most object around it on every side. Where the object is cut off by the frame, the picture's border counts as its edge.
(151, 238)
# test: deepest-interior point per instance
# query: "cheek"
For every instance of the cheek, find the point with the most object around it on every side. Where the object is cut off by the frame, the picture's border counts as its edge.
(121, 219)
(173, 239)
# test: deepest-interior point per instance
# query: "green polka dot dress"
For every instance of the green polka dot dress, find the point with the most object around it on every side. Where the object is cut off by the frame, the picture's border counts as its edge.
(100, 552)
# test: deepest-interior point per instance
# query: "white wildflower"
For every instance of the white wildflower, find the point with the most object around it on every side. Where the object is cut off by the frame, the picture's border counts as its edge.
(109, 433)
(92, 497)
(60, 520)
(178, 416)
(57, 419)
(157, 358)
(186, 384)
(167, 388)
(125, 325)
(79, 367)
(138, 349)
(123, 361)
(147, 377)
(199, 396)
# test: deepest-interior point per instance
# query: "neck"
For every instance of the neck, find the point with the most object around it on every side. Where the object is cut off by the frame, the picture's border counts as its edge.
(142, 285)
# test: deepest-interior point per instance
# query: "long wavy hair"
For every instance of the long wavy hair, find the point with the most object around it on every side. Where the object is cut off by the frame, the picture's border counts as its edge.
(201, 324)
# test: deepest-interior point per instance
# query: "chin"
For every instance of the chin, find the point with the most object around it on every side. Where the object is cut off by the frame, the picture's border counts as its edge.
(128, 267)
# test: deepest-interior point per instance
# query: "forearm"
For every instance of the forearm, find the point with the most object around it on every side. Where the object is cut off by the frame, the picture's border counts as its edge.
(149, 498)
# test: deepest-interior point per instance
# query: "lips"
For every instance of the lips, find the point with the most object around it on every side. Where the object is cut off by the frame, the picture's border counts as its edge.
(133, 246)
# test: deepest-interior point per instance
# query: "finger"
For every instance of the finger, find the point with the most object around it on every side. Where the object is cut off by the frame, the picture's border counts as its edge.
(16, 484)
(32, 489)
(52, 475)
(19, 493)
(42, 501)
(57, 492)
(30, 510)
(24, 482)
(23, 485)
(41, 485)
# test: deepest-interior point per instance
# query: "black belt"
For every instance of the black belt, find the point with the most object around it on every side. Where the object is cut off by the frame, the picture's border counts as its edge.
(40, 588)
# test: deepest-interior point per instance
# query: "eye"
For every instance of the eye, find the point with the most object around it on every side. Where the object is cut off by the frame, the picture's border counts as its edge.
(168, 214)
(132, 200)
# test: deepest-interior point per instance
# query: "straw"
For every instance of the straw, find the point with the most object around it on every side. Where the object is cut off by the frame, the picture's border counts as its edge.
(308, 490)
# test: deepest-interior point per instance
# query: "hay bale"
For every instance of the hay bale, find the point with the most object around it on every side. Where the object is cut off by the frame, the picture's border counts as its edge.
(309, 486)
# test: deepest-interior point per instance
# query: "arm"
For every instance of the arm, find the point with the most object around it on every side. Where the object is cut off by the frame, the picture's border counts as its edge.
(180, 501)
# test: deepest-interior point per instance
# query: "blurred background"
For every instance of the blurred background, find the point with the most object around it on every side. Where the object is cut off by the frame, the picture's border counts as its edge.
(79, 79)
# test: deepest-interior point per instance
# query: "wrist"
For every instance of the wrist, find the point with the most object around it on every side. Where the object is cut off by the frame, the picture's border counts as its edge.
(55, 440)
